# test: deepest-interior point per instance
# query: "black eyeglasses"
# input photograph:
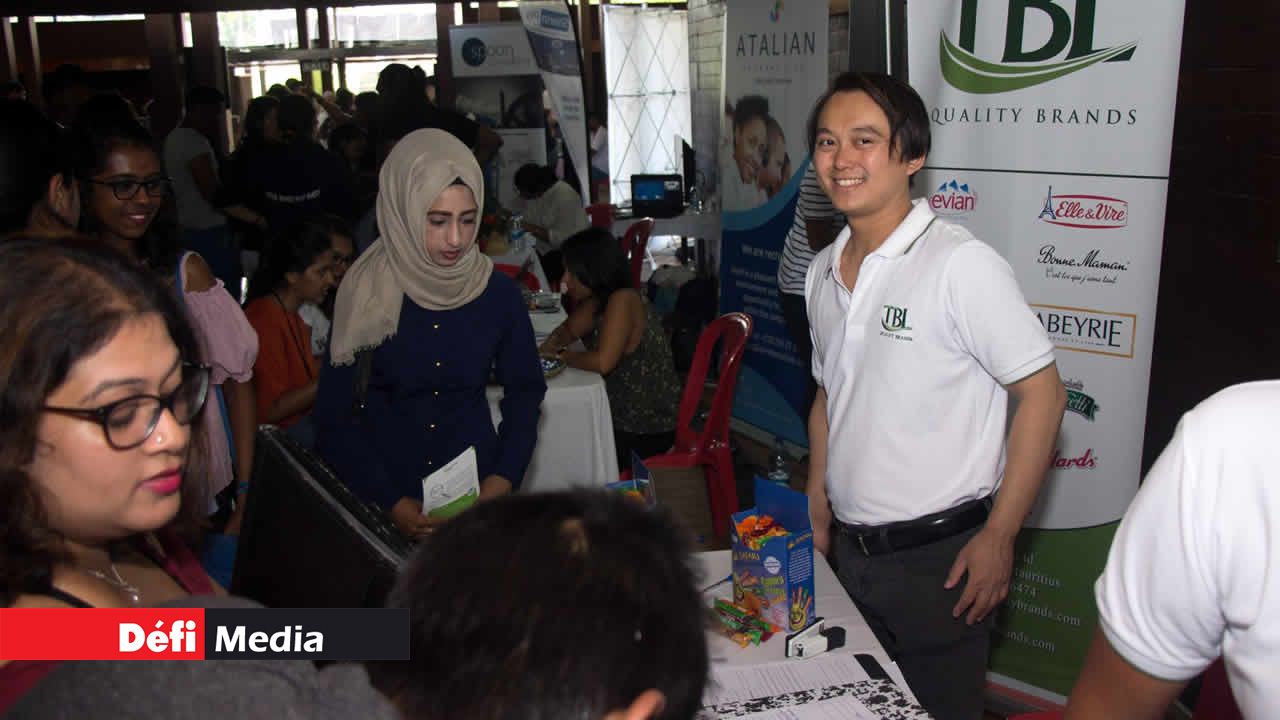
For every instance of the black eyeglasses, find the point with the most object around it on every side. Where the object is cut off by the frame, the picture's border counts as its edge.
(126, 189)
(129, 422)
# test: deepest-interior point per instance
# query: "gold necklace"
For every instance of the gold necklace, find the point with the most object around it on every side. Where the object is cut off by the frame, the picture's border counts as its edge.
(131, 591)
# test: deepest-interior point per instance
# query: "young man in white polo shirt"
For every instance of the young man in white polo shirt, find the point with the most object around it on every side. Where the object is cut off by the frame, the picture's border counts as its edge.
(920, 335)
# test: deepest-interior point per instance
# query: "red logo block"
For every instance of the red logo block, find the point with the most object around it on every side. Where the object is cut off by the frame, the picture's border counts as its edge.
(102, 634)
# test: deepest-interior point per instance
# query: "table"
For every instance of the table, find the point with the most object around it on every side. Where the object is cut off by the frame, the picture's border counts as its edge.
(703, 225)
(575, 430)
(831, 601)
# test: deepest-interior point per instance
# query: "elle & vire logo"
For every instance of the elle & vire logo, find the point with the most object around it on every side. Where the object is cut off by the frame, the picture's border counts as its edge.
(1068, 49)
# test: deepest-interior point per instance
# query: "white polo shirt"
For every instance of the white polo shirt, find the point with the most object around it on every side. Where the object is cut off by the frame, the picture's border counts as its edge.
(1194, 570)
(913, 362)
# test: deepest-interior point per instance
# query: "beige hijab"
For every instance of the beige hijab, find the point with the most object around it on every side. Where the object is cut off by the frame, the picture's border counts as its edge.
(367, 310)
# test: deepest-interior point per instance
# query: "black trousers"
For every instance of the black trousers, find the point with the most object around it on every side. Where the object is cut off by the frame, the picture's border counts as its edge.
(645, 445)
(797, 320)
(901, 596)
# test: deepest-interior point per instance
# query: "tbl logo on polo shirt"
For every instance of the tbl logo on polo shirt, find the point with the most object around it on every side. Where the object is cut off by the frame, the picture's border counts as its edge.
(894, 323)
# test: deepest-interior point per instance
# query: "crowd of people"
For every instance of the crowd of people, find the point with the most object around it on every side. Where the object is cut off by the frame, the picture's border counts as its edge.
(132, 380)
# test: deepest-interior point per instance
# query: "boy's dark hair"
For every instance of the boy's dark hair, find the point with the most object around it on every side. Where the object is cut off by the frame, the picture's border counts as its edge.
(748, 108)
(908, 119)
(202, 96)
(32, 150)
(551, 605)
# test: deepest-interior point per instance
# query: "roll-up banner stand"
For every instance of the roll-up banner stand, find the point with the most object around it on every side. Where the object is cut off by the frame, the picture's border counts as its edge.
(775, 67)
(554, 41)
(1052, 123)
(499, 84)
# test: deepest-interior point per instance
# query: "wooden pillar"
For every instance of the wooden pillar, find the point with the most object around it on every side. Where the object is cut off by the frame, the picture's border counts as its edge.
(304, 33)
(35, 90)
(8, 53)
(489, 11)
(445, 91)
(208, 66)
(585, 35)
(324, 40)
(163, 47)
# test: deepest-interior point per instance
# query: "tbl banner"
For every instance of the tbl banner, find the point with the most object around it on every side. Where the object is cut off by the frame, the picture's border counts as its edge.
(775, 67)
(1052, 123)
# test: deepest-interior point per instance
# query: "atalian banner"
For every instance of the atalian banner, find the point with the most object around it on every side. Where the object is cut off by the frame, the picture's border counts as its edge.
(555, 48)
(498, 84)
(775, 67)
(1052, 123)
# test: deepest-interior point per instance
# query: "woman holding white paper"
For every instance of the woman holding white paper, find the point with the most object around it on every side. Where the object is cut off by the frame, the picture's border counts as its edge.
(424, 311)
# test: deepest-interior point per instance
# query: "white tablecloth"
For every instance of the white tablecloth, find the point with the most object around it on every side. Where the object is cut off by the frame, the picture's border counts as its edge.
(575, 431)
(831, 603)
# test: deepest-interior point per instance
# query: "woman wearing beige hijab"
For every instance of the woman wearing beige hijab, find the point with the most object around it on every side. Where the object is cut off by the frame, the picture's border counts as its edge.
(437, 323)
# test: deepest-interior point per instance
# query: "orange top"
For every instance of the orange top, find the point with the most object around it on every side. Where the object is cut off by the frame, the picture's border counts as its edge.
(284, 359)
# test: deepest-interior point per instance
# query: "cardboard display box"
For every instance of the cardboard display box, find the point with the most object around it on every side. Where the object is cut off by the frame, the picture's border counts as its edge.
(777, 578)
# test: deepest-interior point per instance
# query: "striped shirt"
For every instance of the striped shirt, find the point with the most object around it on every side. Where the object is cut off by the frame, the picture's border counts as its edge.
(812, 204)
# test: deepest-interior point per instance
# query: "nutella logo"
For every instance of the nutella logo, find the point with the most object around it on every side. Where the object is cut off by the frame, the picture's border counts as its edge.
(1087, 461)
(1091, 212)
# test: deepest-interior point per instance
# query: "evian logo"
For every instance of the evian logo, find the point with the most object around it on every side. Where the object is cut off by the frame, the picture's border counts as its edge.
(953, 198)
(1087, 461)
(1092, 212)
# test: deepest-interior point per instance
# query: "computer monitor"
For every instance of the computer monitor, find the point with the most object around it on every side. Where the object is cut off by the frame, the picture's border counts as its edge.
(307, 541)
(688, 167)
(657, 196)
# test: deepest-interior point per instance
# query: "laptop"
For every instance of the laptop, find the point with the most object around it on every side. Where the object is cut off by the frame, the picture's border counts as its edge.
(307, 541)
(659, 196)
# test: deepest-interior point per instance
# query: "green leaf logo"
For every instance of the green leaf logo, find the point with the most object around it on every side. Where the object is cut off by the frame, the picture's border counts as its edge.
(965, 71)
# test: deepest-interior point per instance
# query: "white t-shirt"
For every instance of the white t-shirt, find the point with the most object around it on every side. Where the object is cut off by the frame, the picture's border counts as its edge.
(560, 211)
(600, 149)
(181, 147)
(914, 363)
(314, 317)
(1194, 570)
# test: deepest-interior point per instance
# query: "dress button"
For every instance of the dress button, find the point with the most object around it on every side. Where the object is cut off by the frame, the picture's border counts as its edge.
(436, 393)
(435, 326)
(432, 426)
(438, 363)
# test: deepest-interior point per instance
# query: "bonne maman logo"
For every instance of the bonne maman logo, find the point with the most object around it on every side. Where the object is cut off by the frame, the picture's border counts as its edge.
(1067, 49)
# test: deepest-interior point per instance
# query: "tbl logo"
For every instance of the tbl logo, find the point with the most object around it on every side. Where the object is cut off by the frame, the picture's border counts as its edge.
(953, 198)
(1080, 402)
(1091, 212)
(474, 52)
(775, 13)
(894, 323)
(1068, 48)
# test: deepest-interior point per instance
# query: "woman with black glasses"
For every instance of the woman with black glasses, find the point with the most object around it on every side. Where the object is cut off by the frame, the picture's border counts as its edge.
(123, 189)
(100, 453)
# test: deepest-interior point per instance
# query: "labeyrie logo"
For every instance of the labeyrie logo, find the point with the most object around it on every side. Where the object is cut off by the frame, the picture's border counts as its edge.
(953, 198)
(1100, 332)
(1091, 212)
(1068, 49)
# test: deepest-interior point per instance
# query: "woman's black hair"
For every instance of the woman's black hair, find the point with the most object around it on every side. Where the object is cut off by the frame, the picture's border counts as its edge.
(295, 251)
(31, 152)
(595, 258)
(62, 300)
(341, 136)
(94, 136)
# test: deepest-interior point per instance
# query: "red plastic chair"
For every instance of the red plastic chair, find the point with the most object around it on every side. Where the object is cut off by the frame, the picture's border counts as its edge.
(635, 245)
(520, 275)
(710, 447)
(601, 215)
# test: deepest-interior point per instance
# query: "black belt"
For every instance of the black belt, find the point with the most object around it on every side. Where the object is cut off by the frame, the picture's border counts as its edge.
(891, 537)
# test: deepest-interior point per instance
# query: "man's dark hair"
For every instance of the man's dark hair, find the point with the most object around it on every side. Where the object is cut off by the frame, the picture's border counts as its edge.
(344, 99)
(748, 108)
(296, 119)
(908, 119)
(278, 91)
(203, 96)
(367, 102)
(32, 150)
(550, 605)
(534, 179)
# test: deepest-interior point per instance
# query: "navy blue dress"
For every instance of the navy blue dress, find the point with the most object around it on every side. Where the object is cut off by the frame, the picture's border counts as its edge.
(426, 398)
